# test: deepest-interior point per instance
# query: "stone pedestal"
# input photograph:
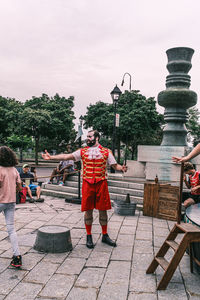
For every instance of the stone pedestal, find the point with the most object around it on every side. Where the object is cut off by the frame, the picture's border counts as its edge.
(53, 239)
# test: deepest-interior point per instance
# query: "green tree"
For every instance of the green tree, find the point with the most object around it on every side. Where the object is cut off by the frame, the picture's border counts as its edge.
(193, 125)
(140, 123)
(48, 117)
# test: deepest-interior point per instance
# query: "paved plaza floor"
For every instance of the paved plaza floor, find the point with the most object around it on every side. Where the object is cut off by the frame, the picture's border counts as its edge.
(100, 273)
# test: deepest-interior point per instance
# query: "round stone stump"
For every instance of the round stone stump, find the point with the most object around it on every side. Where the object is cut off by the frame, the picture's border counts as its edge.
(53, 239)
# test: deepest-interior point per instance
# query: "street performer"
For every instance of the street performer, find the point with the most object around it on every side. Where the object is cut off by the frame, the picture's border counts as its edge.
(95, 188)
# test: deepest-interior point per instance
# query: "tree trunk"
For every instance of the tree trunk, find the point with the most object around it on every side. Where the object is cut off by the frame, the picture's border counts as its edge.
(21, 155)
(36, 149)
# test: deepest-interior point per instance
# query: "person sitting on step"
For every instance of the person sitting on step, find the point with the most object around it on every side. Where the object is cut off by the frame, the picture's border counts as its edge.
(28, 178)
(193, 183)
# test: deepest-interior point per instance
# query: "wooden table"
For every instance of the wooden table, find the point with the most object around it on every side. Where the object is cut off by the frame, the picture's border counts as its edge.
(193, 216)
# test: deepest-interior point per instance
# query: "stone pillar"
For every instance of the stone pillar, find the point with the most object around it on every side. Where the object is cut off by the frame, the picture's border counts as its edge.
(177, 97)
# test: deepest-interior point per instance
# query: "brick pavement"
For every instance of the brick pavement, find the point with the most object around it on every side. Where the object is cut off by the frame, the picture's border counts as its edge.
(100, 273)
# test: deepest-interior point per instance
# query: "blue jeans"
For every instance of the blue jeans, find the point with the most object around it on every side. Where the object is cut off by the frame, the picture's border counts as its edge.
(9, 209)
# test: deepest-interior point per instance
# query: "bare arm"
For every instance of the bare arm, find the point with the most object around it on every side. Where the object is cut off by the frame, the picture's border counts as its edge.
(47, 156)
(186, 182)
(18, 186)
(192, 154)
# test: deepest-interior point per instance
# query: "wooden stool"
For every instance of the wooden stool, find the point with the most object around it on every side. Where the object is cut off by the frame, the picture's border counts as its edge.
(53, 239)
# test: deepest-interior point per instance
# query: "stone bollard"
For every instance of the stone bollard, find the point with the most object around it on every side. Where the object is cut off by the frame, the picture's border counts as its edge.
(53, 239)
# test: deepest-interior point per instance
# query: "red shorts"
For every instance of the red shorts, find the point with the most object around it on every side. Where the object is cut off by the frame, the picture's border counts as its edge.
(95, 195)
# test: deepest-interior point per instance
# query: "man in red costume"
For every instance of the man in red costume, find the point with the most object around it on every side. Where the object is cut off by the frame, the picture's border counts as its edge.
(95, 193)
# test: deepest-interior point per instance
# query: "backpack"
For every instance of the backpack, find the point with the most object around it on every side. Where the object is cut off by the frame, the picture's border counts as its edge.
(21, 196)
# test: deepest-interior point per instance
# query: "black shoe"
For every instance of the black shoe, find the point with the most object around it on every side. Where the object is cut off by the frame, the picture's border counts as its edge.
(16, 261)
(106, 239)
(89, 242)
(31, 200)
(40, 200)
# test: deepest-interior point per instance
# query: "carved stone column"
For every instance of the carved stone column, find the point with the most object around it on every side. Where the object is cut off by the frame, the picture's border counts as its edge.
(177, 97)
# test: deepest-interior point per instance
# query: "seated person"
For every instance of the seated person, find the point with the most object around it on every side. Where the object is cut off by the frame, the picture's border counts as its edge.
(64, 169)
(28, 179)
(193, 183)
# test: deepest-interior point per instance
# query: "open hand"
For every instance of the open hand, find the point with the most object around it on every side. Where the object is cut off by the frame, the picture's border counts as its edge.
(46, 155)
(179, 159)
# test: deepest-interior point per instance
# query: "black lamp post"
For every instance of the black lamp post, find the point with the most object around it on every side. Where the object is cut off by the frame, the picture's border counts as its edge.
(129, 91)
(115, 94)
(129, 82)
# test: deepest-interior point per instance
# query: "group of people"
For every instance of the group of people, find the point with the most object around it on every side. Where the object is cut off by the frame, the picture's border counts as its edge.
(95, 195)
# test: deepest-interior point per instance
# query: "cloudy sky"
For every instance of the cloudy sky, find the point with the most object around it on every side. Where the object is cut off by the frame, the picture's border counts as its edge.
(83, 47)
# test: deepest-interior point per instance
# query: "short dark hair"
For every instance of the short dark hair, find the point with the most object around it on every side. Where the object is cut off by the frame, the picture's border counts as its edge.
(188, 166)
(7, 157)
(96, 133)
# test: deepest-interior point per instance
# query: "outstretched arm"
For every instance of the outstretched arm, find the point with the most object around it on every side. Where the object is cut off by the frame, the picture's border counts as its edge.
(192, 154)
(47, 156)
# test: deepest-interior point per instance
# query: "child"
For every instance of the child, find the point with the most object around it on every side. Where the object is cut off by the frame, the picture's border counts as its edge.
(9, 180)
(192, 183)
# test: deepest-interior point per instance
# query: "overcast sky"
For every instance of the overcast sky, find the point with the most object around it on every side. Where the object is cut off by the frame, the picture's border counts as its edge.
(83, 47)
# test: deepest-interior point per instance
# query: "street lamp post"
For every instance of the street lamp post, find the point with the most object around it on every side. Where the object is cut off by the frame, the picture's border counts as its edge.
(115, 94)
(129, 82)
(129, 91)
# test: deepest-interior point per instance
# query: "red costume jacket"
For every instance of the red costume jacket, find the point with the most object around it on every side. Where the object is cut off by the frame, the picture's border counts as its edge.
(194, 181)
(94, 170)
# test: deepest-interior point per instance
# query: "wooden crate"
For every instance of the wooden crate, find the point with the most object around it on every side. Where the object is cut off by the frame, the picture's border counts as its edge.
(161, 201)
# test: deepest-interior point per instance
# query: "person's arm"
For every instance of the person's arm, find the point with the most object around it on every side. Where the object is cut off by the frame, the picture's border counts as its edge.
(187, 183)
(35, 175)
(47, 156)
(192, 154)
(18, 186)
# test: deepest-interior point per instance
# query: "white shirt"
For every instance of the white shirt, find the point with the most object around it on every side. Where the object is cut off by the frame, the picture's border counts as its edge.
(94, 153)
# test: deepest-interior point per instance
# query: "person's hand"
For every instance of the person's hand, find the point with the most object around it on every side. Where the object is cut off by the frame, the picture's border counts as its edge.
(124, 168)
(46, 155)
(179, 159)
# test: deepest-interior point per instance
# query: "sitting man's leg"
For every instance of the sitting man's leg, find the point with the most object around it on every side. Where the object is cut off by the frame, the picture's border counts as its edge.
(37, 189)
(188, 202)
(53, 174)
(103, 220)
(30, 195)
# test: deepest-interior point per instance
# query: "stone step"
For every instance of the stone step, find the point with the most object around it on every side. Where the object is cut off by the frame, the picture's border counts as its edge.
(65, 194)
(112, 189)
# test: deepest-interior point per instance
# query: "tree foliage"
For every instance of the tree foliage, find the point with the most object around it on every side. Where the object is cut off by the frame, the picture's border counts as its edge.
(140, 123)
(193, 125)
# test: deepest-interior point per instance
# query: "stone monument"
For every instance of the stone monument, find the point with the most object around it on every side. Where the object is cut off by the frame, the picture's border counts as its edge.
(176, 99)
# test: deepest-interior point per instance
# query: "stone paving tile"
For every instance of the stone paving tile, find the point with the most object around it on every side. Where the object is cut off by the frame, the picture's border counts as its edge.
(81, 294)
(95, 238)
(144, 227)
(30, 260)
(27, 239)
(175, 291)
(2, 297)
(24, 291)
(71, 266)
(4, 263)
(56, 258)
(35, 224)
(77, 232)
(141, 261)
(144, 235)
(158, 241)
(9, 279)
(9, 252)
(140, 282)
(143, 246)
(159, 231)
(115, 283)
(122, 253)
(127, 240)
(90, 277)
(3, 235)
(142, 296)
(130, 221)
(80, 251)
(98, 259)
(145, 219)
(41, 273)
(58, 286)
(127, 229)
